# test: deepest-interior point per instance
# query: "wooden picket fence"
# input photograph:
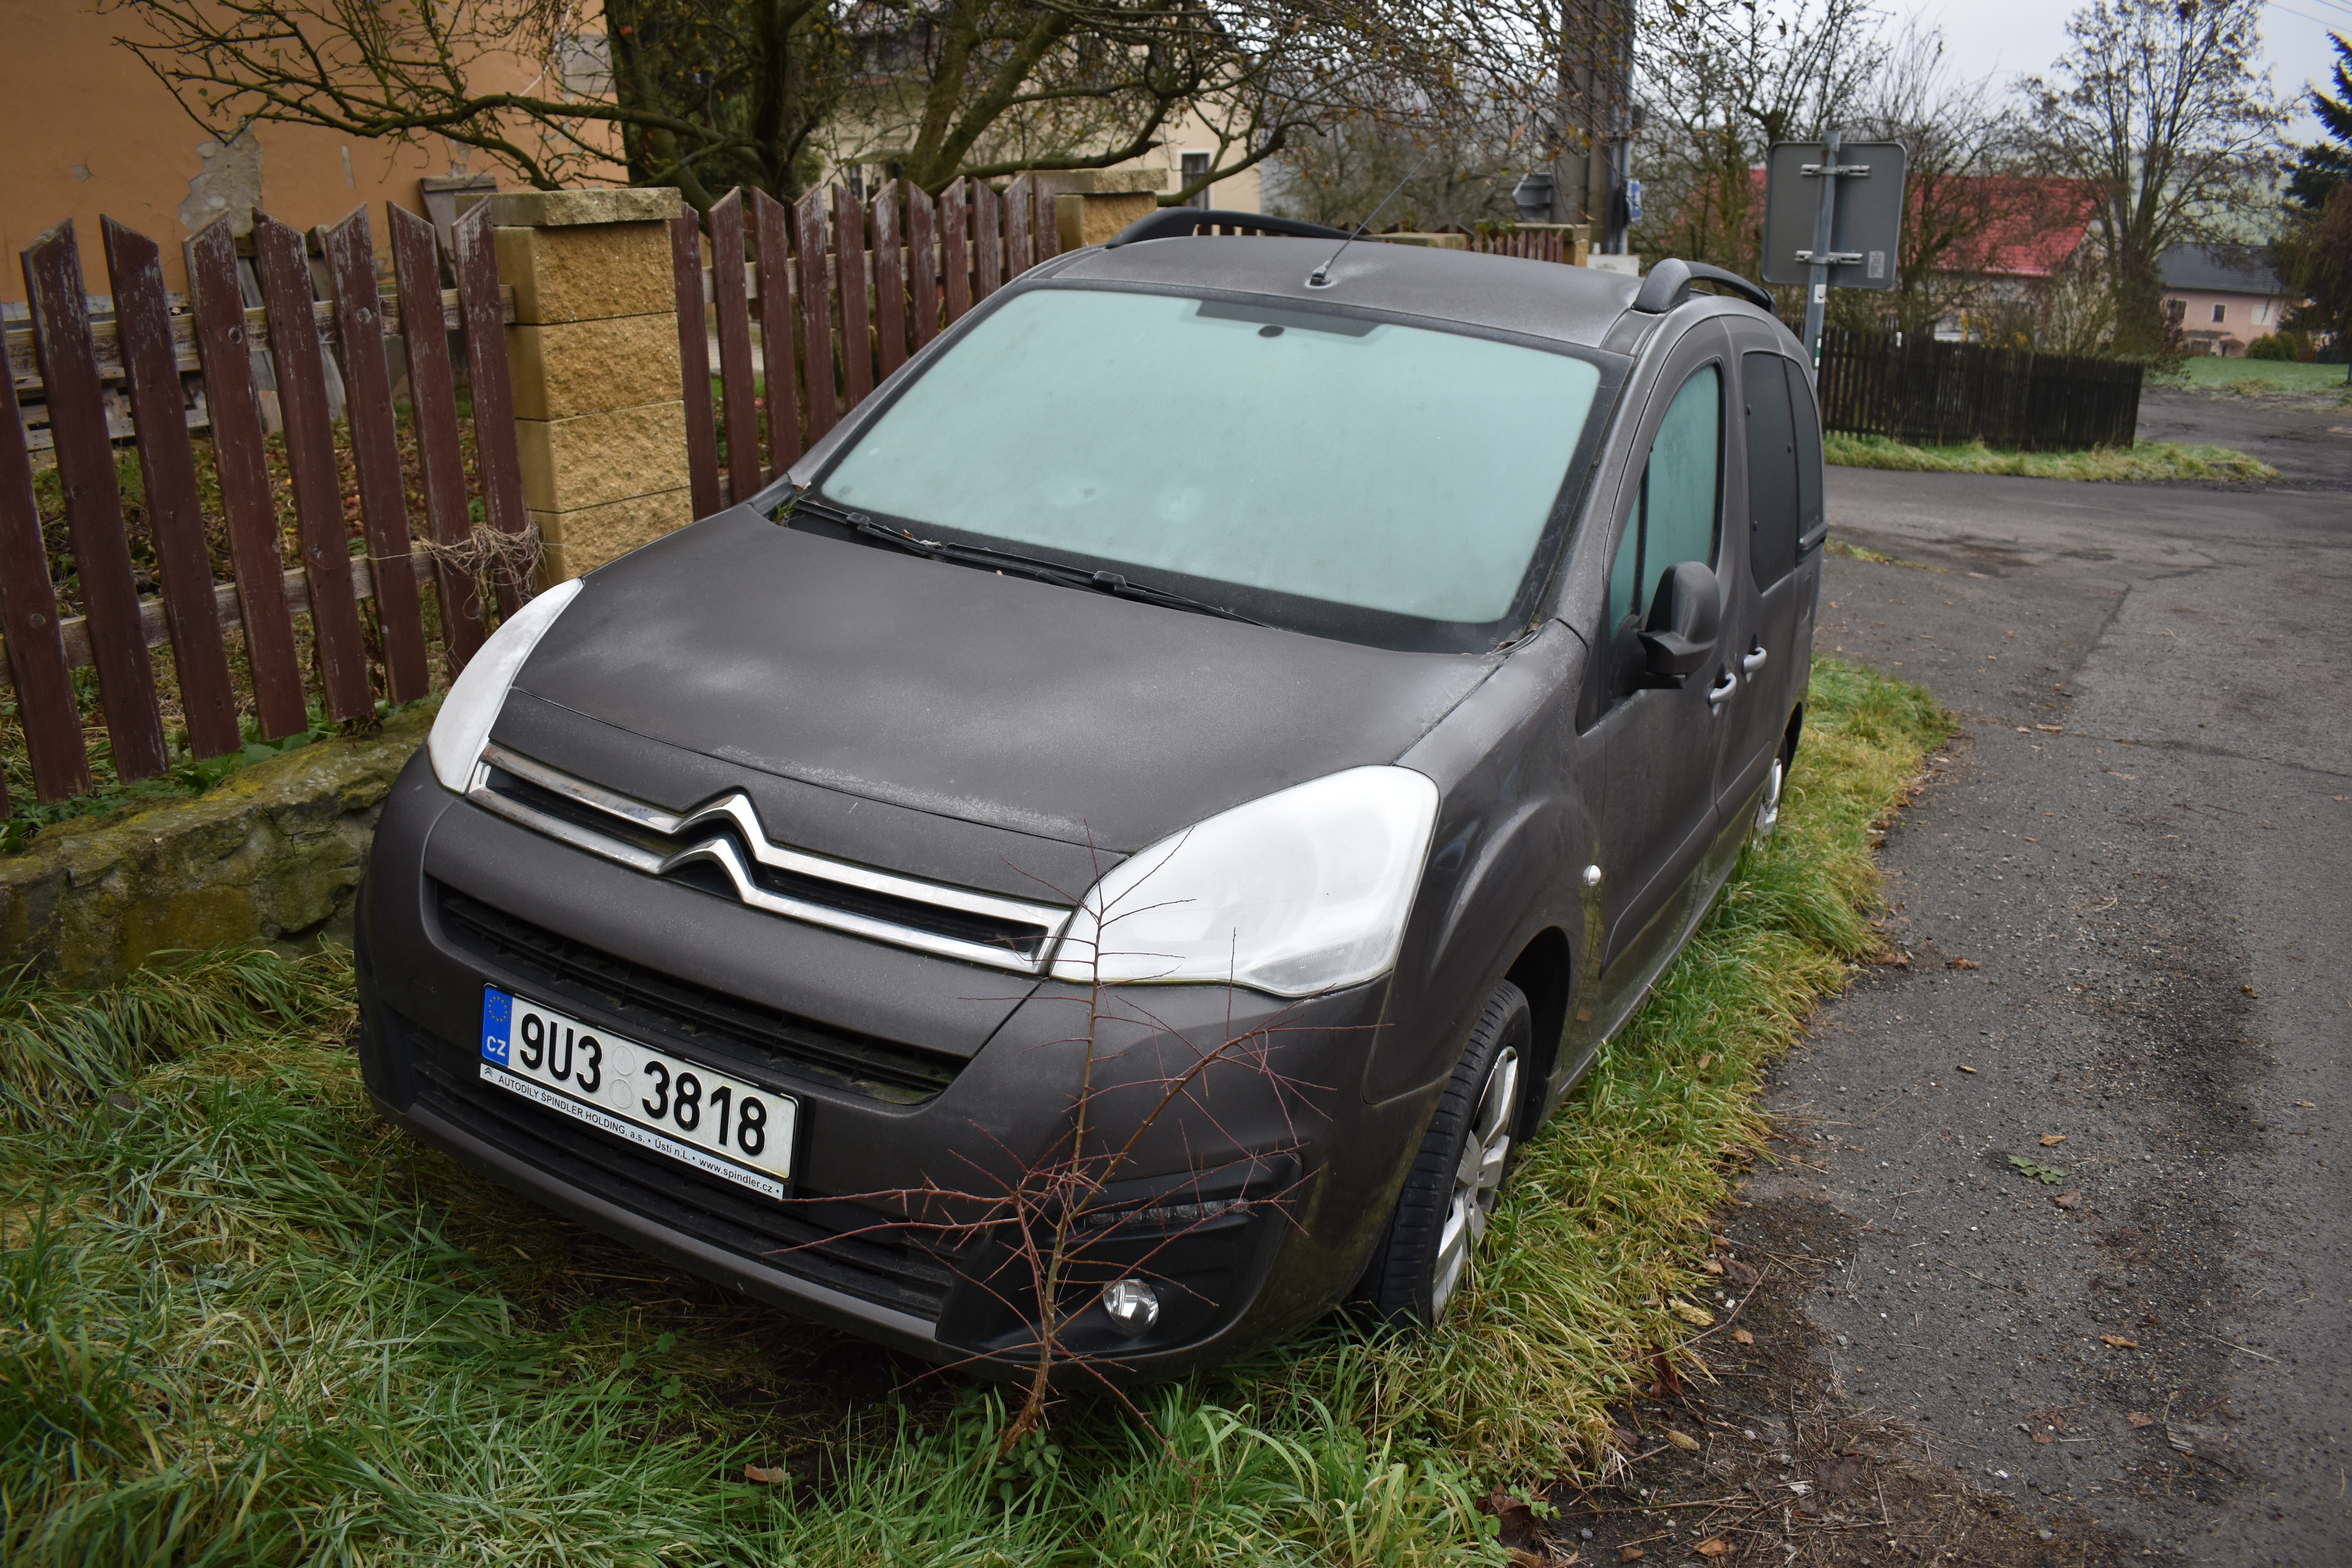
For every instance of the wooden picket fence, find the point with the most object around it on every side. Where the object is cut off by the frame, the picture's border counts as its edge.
(1929, 392)
(352, 657)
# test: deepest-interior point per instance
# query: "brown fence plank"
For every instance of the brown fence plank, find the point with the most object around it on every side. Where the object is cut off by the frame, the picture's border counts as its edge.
(338, 646)
(816, 315)
(109, 592)
(922, 263)
(175, 518)
(417, 273)
(694, 362)
(857, 309)
(350, 250)
(1020, 247)
(1046, 231)
(889, 282)
(734, 310)
(279, 707)
(771, 224)
(28, 618)
(473, 257)
(987, 241)
(955, 247)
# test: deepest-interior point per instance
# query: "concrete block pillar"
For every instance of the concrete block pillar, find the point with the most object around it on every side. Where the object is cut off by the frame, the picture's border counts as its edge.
(599, 410)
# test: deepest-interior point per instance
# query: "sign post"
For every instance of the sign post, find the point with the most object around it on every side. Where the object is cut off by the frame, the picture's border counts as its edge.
(1833, 218)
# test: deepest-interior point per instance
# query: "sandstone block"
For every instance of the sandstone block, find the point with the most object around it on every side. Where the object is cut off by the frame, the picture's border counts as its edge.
(573, 209)
(592, 458)
(581, 541)
(1088, 219)
(587, 273)
(569, 368)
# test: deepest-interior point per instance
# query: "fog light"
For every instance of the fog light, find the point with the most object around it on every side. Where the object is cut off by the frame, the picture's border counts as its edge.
(1133, 1306)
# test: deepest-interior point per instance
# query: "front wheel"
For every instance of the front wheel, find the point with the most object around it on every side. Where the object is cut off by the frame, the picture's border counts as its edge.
(1457, 1179)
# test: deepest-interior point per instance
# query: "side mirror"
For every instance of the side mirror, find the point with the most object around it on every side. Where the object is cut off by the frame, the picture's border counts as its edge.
(1686, 618)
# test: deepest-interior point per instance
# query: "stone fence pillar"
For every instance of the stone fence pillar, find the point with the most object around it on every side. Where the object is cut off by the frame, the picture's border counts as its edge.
(599, 411)
(1091, 205)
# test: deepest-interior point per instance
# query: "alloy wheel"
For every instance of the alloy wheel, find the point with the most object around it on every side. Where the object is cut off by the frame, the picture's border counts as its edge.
(1767, 814)
(1478, 1178)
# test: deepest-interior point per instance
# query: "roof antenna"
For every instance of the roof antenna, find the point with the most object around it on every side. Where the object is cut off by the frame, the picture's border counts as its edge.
(1321, 276)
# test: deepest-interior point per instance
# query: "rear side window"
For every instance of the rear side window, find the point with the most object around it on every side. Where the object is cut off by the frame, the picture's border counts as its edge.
(1772, 467)
(1675, 514)
(1809, 455)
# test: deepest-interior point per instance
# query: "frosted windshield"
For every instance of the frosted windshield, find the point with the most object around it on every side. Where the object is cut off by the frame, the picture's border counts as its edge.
(1381, 466)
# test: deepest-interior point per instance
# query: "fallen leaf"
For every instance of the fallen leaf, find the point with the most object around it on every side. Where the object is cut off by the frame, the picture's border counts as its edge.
(1629, 1554)
(1741, 1336)
(1696, 1316)
(2052, 1140)
(2041, 1436)
(2141, 1418)
(1965, 963)
(2070, 1199)
(1712, 1266)
(765, 1474)
(1965, 1067)
(2120, 1342)
(1742, 1272)
(1716, 1547)
(2247, 989)
(1682, 1440)
(1706, 1061)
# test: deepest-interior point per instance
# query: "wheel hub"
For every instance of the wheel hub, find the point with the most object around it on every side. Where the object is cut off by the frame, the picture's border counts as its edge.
(1478, 1178)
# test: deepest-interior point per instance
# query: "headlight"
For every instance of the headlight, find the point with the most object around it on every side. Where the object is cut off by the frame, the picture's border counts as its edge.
(463, 726)
(1302, 891)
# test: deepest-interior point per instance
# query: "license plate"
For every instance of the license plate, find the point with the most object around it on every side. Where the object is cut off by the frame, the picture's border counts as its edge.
(720, 1125)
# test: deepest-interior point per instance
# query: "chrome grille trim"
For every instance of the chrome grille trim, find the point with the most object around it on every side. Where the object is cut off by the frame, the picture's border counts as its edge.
(735, 809)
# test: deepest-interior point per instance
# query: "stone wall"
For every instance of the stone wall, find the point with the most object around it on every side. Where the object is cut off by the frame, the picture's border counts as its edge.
(274, 851)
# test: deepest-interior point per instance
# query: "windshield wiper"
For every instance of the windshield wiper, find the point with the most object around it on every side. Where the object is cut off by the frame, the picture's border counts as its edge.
(1029, 566)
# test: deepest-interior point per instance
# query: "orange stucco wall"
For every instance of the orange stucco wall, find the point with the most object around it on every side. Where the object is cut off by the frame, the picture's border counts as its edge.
(86, 129)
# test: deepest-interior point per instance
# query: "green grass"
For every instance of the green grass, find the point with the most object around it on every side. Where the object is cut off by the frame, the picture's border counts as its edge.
(2147, 462)
(242, 1321)
(2254, 376)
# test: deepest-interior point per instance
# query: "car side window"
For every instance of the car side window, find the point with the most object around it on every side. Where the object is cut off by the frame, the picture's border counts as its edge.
(1772, 467)
(1809, 453)
(1674, 514)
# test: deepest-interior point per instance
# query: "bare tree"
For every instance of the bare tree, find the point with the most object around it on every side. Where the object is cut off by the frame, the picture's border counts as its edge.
(1723, 79)
(707, 94)
(2163, 106)
(1451, 178)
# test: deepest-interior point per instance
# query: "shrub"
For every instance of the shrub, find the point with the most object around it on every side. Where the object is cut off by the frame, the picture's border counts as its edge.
(2270, 347)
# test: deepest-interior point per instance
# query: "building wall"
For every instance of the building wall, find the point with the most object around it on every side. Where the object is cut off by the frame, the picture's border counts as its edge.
(2242, 318)
(88, 129)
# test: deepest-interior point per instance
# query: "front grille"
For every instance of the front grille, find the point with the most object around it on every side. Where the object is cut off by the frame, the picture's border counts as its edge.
(829, 1242)
(658, 1007)
(722, 848)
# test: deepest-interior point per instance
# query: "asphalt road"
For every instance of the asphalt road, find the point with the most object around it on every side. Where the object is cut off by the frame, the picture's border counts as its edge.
(2122, 908)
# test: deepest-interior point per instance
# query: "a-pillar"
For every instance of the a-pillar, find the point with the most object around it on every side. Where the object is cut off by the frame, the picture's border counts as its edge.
(599, 412)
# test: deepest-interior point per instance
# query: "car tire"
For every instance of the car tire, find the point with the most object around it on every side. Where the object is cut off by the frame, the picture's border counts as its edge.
(1441, 1214)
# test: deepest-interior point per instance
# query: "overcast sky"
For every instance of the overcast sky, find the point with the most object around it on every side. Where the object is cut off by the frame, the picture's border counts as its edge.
(2008, 38)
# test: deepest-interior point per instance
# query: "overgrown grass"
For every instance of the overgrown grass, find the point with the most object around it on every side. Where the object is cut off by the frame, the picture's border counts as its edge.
(240, 1321)
(2144, 462)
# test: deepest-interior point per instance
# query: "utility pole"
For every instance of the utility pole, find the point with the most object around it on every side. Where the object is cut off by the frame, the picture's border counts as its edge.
(1596, 117)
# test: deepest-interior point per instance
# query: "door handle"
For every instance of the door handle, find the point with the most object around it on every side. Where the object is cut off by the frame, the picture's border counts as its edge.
(1720, 692)
(1755, 660)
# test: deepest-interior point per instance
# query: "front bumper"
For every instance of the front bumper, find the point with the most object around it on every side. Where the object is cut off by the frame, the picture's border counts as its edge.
(1262, 1186)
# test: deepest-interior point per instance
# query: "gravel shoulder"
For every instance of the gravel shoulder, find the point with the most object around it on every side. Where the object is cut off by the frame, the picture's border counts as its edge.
(2118, 954)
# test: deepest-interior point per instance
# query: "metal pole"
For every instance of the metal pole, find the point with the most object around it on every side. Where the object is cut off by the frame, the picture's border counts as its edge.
(1816, 291)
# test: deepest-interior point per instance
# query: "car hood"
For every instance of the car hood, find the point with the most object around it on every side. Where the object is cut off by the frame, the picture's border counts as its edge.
(1021, 705)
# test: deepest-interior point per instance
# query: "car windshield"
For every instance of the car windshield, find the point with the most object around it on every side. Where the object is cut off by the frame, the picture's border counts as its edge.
(1369, 480)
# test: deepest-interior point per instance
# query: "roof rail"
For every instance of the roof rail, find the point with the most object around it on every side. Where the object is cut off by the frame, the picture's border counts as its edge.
(1172, 223)
(1669, 284)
